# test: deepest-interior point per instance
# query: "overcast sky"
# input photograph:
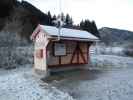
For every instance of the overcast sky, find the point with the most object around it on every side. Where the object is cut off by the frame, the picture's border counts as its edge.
(106, 13)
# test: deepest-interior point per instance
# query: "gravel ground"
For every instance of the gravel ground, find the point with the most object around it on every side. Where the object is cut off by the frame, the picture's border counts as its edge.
(98, 85)
(111, 62)
(19, 84)
(95, 84)
(112, 81)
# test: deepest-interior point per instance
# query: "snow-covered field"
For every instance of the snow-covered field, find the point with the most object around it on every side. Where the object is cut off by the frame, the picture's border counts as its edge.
(95, 84)
(112, 80)
(99, 85)
(111, 62)
(19, 84)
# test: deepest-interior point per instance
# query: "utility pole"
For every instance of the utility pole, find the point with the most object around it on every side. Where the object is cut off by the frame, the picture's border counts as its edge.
(59, 21)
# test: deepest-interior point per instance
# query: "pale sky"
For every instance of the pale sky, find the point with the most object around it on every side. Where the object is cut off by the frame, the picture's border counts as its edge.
(106, 13)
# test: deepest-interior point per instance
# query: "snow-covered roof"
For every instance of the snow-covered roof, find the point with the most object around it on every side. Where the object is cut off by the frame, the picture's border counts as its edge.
(69, 33)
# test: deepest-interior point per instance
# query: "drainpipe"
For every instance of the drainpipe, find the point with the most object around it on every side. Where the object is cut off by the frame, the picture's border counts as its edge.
(59, 30)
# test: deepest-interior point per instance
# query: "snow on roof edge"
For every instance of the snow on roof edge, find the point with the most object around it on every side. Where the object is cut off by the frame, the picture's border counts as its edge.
(70, 33)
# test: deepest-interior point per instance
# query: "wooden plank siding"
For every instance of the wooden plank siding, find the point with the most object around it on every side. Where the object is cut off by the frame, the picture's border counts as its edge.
(76, 53)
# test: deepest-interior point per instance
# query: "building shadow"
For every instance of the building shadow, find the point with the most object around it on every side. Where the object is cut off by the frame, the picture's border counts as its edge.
(74, 75)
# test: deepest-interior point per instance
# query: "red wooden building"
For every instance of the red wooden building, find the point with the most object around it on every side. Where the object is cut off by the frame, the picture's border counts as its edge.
(52, 50)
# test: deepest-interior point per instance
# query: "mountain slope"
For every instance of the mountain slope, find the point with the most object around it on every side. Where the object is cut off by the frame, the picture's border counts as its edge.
(112, 36)
(20, 17)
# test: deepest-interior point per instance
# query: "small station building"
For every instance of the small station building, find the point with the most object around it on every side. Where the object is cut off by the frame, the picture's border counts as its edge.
(54, 51)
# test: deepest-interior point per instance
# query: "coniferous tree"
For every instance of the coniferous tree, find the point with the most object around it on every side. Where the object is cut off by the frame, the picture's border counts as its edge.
(90, 27)
(54, 18)
(49, 18)
(63, 17)
(6, 6)
(71, 21)
(94, 29)
(68, 21)
(81, 24)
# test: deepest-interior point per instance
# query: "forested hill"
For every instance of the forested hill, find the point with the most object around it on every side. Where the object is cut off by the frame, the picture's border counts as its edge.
(23, 17)
(20, 17)
(112, 36)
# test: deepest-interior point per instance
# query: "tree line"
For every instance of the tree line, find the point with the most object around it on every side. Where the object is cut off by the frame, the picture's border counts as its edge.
(68, 21)
(86, 24)
(30, 16)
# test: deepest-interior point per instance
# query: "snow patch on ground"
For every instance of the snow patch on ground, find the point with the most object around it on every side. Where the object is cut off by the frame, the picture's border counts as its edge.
(108, 85)
(116, 83)
(111, 61)
(19, 84)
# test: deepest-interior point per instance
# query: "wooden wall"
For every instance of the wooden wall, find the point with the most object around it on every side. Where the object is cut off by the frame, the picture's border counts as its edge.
(40, 61)
(76, 53)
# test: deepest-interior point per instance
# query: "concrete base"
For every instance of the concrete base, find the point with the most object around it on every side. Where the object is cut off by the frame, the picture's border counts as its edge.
(41, 73)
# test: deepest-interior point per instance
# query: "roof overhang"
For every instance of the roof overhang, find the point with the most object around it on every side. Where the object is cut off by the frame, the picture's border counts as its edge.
(74, 39)
(55, 37)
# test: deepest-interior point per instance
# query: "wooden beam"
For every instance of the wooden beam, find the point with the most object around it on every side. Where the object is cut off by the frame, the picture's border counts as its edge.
(82, 55)
(73, 55)
(59, 60)
(78, 53)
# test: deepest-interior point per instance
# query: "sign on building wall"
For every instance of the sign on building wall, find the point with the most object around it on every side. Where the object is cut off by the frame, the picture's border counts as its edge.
(59, 49)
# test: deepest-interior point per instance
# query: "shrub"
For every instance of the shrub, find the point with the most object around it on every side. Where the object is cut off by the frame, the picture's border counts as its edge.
(129, 50)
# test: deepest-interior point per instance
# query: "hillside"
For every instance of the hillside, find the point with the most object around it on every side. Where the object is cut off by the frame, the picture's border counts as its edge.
(20, 17)
(115, 37)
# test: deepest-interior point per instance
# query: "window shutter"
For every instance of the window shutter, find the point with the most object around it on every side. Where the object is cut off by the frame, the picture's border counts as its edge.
(39, 53)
